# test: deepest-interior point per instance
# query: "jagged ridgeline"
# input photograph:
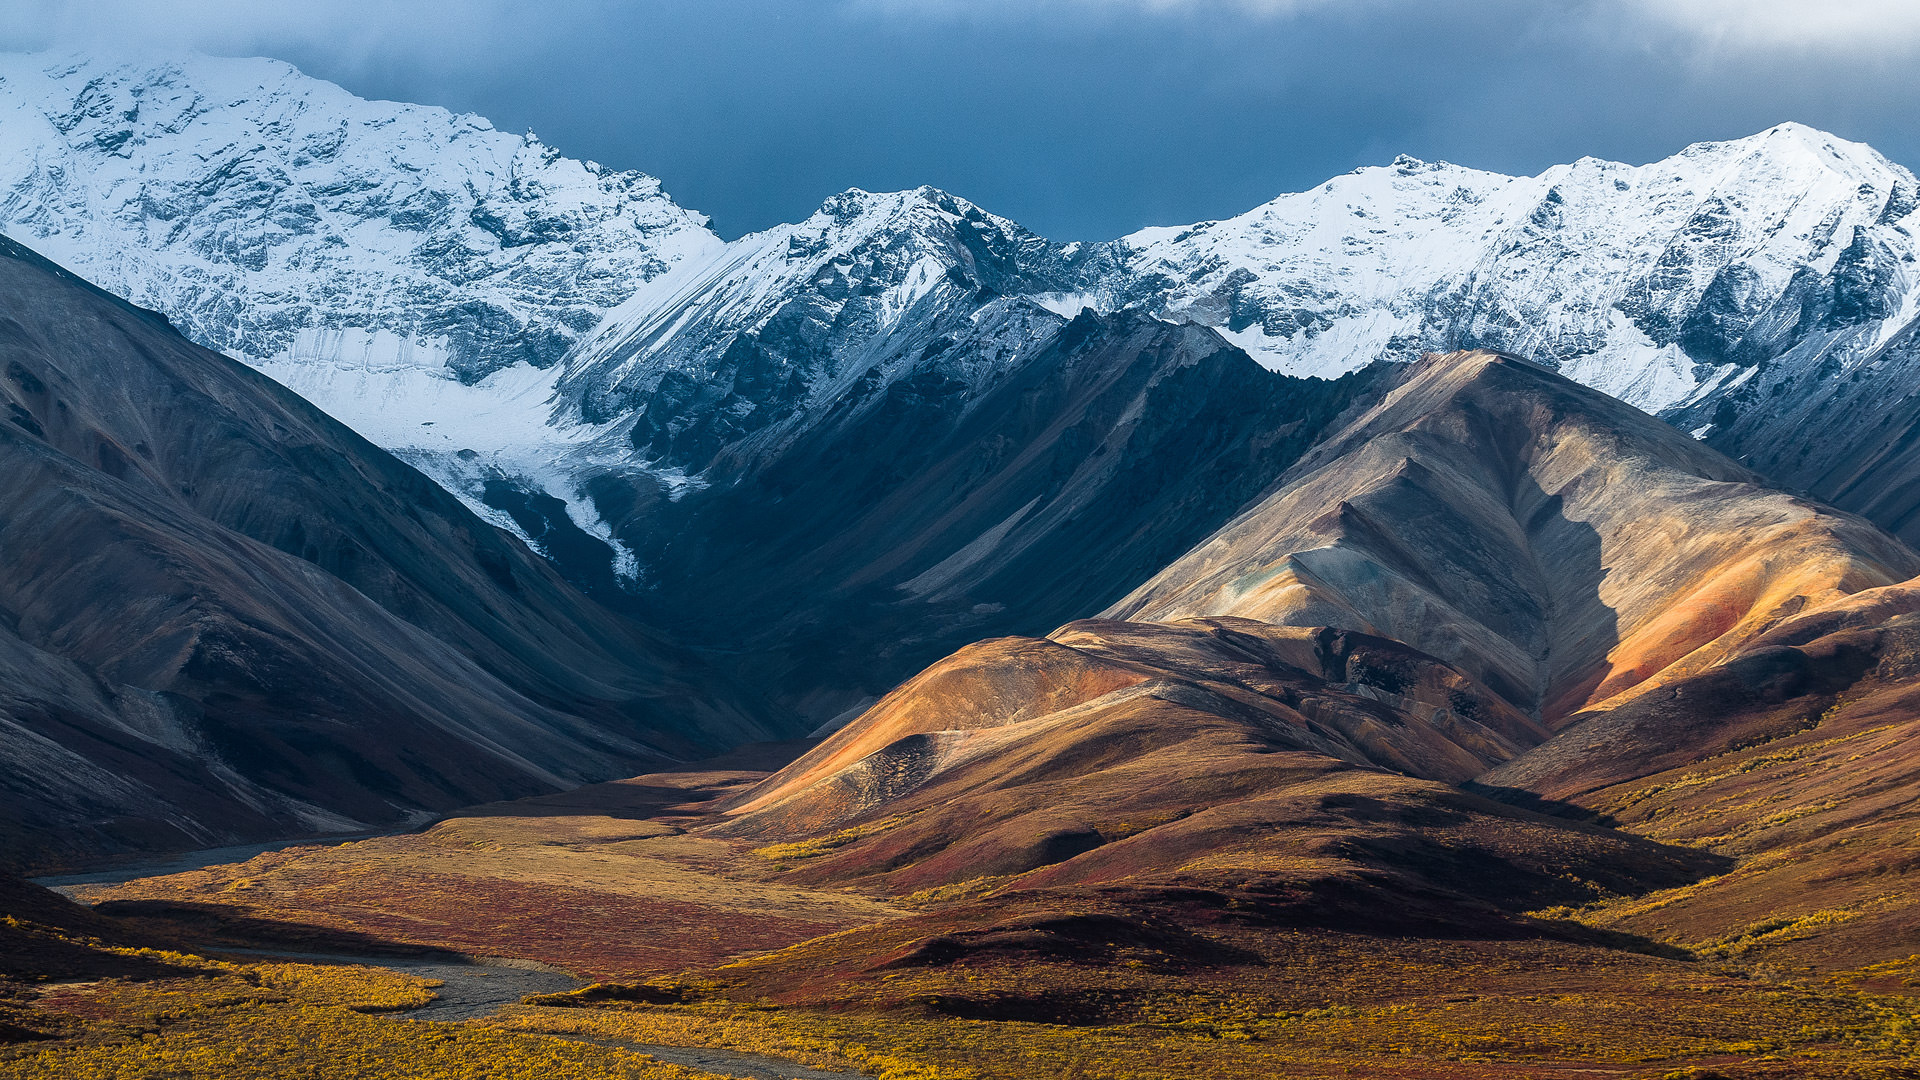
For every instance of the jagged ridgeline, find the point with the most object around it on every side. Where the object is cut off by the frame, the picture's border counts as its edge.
(586, 364)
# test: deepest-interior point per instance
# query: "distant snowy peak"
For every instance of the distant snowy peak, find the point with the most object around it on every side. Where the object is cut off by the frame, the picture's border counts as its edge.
(1631, 278)
(879, 253)
(782, 319)
(283, 220)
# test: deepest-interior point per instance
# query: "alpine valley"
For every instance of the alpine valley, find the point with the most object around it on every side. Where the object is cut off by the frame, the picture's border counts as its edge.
(1438, 624)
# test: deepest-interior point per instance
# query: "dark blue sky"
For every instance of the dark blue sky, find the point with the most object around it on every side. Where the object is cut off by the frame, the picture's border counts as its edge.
(1083, 119)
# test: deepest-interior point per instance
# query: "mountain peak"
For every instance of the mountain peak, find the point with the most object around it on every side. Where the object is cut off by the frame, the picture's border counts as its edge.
(1792, 140)
(283, 220)
(1807, 135)
(904, 209)
(1478, 466)
(806, 300)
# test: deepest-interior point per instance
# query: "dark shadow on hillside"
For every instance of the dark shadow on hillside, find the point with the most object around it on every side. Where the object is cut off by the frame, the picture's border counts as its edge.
(37, 952)
(1580, 629)
(747, 757)
(687, 790)
(1618, 940)
(1527, 800)
(197, 926)
(1521, 569)
(621, 800)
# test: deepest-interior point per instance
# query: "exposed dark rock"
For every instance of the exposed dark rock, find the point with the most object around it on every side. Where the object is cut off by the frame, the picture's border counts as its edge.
(225, 616)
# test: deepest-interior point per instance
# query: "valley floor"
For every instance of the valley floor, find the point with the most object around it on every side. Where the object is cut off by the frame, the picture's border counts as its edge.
(699, 943)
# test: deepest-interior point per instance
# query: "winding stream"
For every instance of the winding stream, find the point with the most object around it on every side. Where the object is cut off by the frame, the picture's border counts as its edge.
(472, 987)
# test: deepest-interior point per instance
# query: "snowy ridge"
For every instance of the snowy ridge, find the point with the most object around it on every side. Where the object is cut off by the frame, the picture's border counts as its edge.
(497, 313)
(788, 319)
(1643, 281)
(1617, 273)
(283, 220)
(409, 270)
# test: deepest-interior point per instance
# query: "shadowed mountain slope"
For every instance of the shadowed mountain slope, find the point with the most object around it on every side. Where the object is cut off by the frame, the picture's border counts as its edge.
(1841, 423)
(1552, 542)
(935, 503)
(224, 615)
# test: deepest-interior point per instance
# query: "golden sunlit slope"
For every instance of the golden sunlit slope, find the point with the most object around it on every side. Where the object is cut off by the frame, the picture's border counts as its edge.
(1794, 757)
(1348, 696)
(1558, 545)
(1264, 763)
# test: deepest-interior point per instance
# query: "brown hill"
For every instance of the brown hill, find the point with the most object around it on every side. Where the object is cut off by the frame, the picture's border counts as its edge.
(1347, 696)
(1537, 545)
(1552, 542)
(1223, 755)
(1795, 758)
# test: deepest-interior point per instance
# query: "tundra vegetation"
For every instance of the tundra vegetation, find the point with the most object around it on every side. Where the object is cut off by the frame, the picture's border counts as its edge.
(1409, 1009)
(172, 1014)
(1074, 992)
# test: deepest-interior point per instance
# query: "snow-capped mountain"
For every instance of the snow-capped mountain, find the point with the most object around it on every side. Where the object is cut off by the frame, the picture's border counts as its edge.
(1670, 285)
(378, 257)
(1759, 293)
(560, 343)
(714, 367)
(789, 319)
(1642, 281)
(1663, 284)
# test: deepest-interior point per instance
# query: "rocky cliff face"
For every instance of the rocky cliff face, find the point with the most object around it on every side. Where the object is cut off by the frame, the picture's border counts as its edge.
(1655, 283)
(1835, 414)
(280, 219)
(783, 321)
